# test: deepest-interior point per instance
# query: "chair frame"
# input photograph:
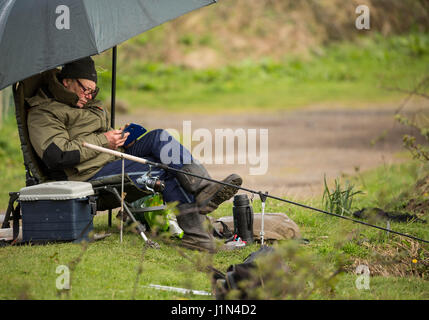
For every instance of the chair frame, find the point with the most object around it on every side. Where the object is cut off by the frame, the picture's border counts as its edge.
(35, 168)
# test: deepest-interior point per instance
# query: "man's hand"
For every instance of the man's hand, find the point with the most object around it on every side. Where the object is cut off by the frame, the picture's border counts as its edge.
(123, 128)
(115, 138)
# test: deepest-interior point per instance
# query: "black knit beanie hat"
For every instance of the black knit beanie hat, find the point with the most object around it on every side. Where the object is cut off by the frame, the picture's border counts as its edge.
(80, 69)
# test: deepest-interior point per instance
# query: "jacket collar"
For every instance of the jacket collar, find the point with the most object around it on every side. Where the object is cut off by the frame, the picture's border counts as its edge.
(58, 91)
(53, 89)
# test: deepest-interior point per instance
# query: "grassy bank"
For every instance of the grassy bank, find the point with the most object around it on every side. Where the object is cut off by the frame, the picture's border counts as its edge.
(109, 270)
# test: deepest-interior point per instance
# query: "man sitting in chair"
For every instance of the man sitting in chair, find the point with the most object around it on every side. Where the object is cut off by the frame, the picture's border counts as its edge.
(64, 114)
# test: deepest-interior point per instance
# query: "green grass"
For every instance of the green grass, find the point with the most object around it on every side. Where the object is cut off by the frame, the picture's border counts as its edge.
(338, 200)
(389, 187)
(382, 288)
(108, 269)
(12, 172)
(346, 74)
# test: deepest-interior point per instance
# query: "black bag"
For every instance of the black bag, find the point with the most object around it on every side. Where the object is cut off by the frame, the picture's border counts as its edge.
(236, 273)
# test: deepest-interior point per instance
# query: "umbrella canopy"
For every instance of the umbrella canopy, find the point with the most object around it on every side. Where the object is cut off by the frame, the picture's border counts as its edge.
(39, 35)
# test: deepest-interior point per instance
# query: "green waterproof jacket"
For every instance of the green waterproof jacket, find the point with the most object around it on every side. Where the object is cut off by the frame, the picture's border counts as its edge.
(57, 129)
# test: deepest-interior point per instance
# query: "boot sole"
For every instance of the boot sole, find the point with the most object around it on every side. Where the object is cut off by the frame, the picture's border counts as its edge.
(223, 194)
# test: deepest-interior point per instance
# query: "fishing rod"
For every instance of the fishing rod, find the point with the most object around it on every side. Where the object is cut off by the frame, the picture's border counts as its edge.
(263, 196)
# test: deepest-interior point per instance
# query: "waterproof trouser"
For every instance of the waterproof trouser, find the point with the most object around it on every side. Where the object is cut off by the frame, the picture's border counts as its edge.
(157, 146)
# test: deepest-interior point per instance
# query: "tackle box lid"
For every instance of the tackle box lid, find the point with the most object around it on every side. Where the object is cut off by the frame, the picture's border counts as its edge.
(57, 190)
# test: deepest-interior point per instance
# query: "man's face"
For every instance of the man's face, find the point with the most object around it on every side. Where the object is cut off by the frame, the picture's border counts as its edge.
(83, 88)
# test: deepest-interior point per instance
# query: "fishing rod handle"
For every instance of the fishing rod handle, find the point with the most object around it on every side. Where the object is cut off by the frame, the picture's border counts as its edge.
(116, 153)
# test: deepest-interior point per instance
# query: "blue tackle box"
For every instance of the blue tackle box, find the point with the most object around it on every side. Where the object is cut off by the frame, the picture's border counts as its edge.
(57, 211)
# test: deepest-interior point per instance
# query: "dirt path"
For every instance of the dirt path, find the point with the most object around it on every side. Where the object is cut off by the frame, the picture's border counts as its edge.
(303, 145)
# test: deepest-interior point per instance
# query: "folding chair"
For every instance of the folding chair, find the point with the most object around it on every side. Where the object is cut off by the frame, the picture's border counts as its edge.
(107, 189)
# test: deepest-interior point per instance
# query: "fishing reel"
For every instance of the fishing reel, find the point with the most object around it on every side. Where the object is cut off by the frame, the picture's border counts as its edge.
(151, 183)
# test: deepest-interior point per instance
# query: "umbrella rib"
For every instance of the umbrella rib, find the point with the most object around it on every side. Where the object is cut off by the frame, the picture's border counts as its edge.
(4, 14)
(94, 40)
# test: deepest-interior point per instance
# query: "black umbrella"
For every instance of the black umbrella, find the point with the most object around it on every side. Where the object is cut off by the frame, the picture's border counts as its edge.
(40, 35)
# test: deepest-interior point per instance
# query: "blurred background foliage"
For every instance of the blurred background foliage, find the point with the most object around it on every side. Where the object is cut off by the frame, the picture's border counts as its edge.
(222, 55)
(233, 30)
(273, 54)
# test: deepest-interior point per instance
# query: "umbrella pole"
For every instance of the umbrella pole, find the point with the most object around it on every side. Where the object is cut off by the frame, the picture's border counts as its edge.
(112, 105)
(113, 98)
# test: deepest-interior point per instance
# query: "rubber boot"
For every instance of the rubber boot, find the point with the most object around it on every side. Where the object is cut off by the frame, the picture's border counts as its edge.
(208, 195)
(195, 228)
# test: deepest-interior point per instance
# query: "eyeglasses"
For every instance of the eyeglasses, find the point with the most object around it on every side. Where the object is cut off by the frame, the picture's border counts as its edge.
(88, 91)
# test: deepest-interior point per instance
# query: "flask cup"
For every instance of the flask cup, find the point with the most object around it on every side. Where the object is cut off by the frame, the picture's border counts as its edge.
(243, 217)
